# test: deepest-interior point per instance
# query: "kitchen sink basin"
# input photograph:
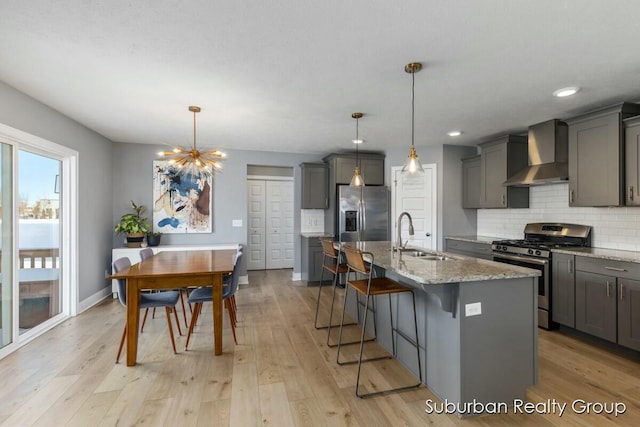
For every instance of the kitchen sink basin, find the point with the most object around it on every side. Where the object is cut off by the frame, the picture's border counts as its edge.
(425, 255)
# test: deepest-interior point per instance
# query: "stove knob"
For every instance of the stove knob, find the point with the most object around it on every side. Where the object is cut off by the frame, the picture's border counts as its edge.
(530, 251)
(504, 248)
(538, 253)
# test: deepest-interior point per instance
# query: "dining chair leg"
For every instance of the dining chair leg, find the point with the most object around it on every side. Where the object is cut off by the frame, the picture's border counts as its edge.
(194, 319)
(175, 314)
(144, 319)
(184, 311)
(173, 341)
(124, 335)
(233, 326)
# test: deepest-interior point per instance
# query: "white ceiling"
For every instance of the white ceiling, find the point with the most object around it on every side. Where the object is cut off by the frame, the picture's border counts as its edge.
(285, 75)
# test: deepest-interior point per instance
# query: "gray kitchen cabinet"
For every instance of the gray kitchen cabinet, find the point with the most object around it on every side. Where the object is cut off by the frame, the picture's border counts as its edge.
(608, 299)
(596, 305)
(342, 166)
(563, 301)
(632, 161)
(467, 248)
(629, 313)
(596, 173)
(499, 159)
(312, 257)
(471, 182)
(315, 186)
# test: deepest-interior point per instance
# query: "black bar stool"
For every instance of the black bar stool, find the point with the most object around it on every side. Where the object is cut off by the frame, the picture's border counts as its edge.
(370, 287)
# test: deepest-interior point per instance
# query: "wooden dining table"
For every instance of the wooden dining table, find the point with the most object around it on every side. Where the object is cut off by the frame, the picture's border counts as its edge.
(172, 270)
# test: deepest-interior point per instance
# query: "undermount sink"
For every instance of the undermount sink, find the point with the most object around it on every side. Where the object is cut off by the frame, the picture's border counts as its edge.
(425, 255)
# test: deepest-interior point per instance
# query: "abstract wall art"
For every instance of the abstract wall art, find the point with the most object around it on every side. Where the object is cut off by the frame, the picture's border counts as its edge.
(182, 202)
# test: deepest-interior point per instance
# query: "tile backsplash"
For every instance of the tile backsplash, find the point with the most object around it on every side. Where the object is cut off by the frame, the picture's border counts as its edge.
(614, 228)
(311, 220)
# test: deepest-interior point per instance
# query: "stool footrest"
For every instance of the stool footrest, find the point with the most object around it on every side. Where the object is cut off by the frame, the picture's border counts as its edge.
(383, 392)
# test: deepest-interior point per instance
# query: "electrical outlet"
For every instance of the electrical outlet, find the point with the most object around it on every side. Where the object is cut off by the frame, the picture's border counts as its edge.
(236, 223)
(473, 309)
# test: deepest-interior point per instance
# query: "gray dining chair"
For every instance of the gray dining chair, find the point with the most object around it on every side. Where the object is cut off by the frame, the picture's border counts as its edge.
(166, 299)
(148, 253)
(204, 294)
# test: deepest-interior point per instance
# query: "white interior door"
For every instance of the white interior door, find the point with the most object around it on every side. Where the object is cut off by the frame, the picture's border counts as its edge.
(257, 212)
(279, 224)
(416, 195)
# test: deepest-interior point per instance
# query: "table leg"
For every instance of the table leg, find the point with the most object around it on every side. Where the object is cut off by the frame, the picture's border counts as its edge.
(133, 319)
(216, 296)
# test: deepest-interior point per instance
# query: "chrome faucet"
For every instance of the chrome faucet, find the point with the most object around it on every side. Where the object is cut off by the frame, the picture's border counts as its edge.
(399, 245)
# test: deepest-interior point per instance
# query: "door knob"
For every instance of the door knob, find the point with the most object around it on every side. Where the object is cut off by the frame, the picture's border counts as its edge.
(428, 234)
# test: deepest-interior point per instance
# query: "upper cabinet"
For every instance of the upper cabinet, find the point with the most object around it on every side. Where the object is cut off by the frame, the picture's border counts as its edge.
(471, 182)
(499, 159)
(596, 173)
(632, 161)
(371, 167)
(315, 186)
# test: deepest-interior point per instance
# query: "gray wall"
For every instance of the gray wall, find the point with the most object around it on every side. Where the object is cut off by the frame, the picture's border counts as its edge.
(452, 219)
(95, 171)
(132, 179)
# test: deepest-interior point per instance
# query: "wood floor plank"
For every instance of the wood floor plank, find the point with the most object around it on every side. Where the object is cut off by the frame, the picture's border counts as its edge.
(274, 405)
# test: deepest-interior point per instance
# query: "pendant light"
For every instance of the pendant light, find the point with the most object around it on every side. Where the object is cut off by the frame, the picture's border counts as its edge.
(357, 180)
(413, 165)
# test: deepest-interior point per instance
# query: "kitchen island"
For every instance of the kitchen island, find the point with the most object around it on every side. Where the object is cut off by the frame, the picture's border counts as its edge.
(477, 324)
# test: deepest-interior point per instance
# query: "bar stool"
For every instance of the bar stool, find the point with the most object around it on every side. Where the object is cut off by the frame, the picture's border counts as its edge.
(331, 263)
(370, 287)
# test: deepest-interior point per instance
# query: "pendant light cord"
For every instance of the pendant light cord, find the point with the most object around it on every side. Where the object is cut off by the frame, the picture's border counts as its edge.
(413, 97)
(357, 143)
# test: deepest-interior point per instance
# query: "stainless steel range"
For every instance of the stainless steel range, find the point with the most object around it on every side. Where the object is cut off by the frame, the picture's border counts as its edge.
(535, 251)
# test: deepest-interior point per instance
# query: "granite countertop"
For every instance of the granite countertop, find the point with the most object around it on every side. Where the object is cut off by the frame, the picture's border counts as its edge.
(458, 268)
(602, 253)
(611, 254)
(475, 239)
(314, 234)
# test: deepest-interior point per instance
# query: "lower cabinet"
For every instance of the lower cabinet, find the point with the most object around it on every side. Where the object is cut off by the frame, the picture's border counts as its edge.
(563, 290)
(608, 300)
(629, 313)
(312, 257)
(596, 305)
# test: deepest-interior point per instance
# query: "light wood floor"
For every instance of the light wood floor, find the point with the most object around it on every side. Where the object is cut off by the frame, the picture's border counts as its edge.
(281, 373)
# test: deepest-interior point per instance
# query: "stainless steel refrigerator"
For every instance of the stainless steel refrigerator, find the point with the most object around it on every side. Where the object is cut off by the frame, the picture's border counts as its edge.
(362, 213)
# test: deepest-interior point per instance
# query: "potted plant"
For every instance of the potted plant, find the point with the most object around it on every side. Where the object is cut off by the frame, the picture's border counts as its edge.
(134, 226)
(153, 238)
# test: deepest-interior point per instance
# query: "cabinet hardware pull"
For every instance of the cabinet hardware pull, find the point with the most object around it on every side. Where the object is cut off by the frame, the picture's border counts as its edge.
(621, 291)
(608, 289)
(570, 196)
(631, 192)
(570, 265)
(615, 269)
(503, 199)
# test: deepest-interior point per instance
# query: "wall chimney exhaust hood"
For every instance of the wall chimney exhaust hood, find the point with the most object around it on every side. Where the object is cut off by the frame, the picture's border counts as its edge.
(548, 147)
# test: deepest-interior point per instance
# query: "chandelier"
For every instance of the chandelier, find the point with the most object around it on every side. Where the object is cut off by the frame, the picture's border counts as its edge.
(198, 163)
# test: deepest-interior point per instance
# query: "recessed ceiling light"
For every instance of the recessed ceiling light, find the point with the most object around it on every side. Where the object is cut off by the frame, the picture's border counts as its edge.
(566, 91)
(455, 133)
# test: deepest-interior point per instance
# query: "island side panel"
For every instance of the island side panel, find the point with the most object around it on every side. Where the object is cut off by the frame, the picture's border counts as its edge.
(498, 346)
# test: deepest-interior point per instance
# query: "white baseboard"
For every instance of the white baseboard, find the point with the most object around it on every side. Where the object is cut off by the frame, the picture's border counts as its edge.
(94, 299)
(296, 277)
(243, 280)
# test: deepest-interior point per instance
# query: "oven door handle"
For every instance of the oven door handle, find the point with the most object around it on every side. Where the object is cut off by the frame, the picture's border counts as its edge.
(537, 261)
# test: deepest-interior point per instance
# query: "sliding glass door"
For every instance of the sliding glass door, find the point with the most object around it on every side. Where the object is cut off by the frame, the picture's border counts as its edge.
(6, 244)
(39, 213)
